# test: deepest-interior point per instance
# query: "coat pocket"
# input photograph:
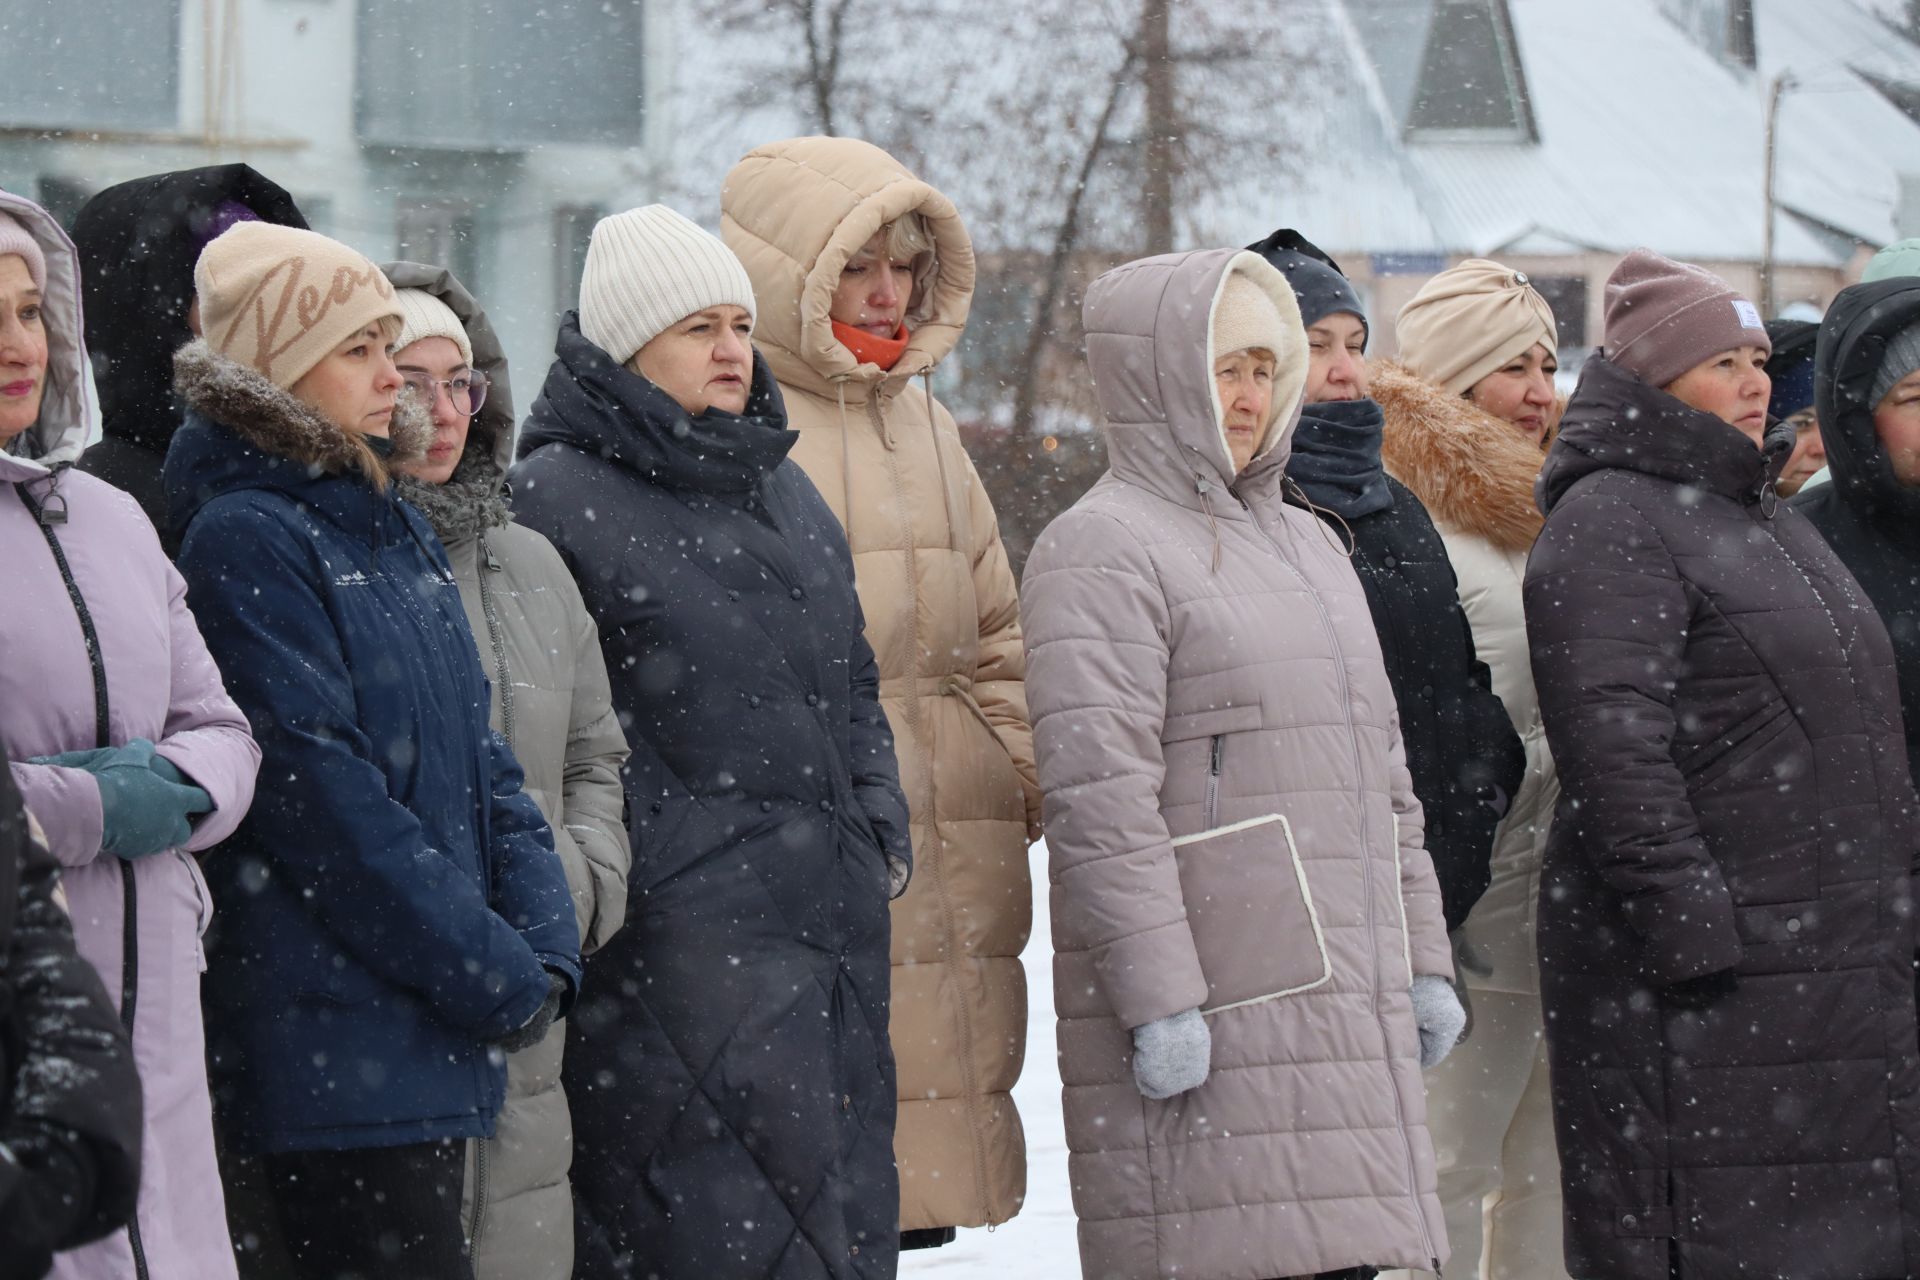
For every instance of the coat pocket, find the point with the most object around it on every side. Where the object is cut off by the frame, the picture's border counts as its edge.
(1250, 909)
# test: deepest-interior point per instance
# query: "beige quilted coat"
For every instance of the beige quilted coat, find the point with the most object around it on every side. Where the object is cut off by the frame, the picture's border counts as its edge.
(944, 621)
(1231, 826)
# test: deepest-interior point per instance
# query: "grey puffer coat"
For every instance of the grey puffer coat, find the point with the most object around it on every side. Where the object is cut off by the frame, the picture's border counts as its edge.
(1231, 827)
(541, 651)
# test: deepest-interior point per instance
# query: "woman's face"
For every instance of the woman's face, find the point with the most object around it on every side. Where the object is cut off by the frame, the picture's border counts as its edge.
(355, 385)
(1336, 358)
(1896, 420)
(704, 362)
(1732, 386)
(1245, 383)
(437, 361)
(1521, 392)
(874, 290)
(23, 348)
(1808, 456)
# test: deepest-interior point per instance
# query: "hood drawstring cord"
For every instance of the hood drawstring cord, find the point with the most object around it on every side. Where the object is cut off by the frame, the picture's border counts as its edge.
(1203, 486)
(1289, 485)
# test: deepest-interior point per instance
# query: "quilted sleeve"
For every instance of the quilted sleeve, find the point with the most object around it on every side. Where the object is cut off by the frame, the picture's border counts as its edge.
(1096, 625)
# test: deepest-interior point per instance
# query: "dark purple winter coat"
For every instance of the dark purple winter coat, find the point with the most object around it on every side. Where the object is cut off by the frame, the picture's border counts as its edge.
(1721, 700)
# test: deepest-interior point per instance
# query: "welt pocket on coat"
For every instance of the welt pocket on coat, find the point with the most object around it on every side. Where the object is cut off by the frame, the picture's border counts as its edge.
(1709, 762)
(1212, 723)
(1251, 912)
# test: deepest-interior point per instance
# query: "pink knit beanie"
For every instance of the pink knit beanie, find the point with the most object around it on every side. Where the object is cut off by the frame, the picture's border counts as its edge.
(1665, 317)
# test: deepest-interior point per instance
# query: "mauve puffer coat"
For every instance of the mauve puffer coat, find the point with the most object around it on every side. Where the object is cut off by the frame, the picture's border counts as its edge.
(1231, 827)
(1721, 700)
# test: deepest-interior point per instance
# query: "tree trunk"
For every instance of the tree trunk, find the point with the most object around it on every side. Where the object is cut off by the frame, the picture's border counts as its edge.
(1156, 54)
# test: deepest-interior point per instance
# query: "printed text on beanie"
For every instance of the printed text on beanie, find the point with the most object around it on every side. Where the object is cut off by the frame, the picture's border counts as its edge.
(279, 299)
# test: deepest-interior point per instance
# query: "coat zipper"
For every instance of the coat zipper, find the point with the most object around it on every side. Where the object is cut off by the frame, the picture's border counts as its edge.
(102, 736)
(1213, 781)
(480, 1197)
(1373, 967)
(489, 565)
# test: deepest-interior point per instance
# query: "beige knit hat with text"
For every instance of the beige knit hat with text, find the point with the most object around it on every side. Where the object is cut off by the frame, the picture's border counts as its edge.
(1471, 319)
(1245, 317)
(424, 315)
(647, 270)
(278, 299)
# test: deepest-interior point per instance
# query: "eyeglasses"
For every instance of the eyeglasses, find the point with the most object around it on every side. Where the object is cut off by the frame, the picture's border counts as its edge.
(466, 392)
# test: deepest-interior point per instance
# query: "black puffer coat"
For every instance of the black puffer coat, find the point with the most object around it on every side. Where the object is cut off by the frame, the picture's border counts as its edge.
(1869, 518)
(69, 1093)
(138, 244)
(1464, 756)
(728, 1065)
(1720, 698)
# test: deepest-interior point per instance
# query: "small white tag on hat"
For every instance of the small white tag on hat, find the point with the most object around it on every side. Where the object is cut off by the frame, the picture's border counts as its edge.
(1748, 313)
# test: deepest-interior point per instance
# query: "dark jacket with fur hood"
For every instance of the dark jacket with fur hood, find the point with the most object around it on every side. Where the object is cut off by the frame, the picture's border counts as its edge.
(1722, 704)
(392, 902)
(1867, 516)
(552, 704)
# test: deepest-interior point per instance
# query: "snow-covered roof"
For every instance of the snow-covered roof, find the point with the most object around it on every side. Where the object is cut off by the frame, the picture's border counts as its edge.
(1644, 137)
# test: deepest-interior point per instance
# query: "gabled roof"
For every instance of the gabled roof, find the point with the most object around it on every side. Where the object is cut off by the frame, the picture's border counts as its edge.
(1644, 137)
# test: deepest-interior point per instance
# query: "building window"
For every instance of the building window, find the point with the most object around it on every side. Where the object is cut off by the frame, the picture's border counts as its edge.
(572, 230)
(439, 233)
(91, 64)
(498, 74)
(1471, 86)
(1567, 295)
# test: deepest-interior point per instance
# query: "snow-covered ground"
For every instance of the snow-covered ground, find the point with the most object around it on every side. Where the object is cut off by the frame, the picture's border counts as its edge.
(1039, 1244)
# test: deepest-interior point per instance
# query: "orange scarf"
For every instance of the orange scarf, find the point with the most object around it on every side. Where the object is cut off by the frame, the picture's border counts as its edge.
(867, 349)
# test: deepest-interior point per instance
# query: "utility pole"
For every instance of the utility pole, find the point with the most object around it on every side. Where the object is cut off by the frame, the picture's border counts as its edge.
(1775, 91)
(1156, 53)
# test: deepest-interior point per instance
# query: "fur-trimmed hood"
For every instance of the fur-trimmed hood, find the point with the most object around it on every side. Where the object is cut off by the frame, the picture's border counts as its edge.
(1472, 472)
(286, 445)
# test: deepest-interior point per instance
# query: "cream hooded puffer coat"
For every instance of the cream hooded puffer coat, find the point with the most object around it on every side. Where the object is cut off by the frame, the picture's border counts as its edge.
(944, 621)
(1231, 827)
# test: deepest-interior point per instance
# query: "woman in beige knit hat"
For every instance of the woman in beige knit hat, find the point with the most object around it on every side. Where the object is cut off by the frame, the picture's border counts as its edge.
(1468, 407)
(395, 919)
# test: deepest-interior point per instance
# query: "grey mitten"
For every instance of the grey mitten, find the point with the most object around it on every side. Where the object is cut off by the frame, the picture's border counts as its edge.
(1172, 1054)
(1437, 1012)
(534, 1029)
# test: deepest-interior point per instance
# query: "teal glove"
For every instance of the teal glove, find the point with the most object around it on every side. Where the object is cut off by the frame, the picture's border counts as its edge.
(146, 803)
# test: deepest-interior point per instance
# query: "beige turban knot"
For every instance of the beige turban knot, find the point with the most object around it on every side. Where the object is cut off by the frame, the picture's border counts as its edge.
(1471, 319)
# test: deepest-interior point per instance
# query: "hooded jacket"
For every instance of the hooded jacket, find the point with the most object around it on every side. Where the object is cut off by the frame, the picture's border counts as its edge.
(393, 903)
(101, 649)
(138, 242)
(943, 617)
(69, 1091)
(1231, 827)
(728, 1070)
(1867, 516)
(552, 705)
(1475, 474)
(1462, 752)
(1721, 701)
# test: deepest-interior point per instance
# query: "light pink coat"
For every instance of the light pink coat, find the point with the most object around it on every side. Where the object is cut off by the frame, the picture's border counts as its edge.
(1231, 827)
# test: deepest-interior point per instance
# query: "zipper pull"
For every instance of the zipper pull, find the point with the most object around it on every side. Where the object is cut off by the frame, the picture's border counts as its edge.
(1213, 766)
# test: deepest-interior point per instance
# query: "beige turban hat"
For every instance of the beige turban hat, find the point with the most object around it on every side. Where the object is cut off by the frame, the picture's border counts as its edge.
(1471, 319)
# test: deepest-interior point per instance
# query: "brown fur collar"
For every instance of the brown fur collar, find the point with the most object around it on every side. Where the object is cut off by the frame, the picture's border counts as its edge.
(247, 403)
(1473, 472)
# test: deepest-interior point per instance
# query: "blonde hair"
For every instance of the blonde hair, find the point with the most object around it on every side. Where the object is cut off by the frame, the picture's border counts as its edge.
(908, 238)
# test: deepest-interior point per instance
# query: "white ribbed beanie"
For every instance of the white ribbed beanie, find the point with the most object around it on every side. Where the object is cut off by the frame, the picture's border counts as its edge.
(647, 270)
(422, 315)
